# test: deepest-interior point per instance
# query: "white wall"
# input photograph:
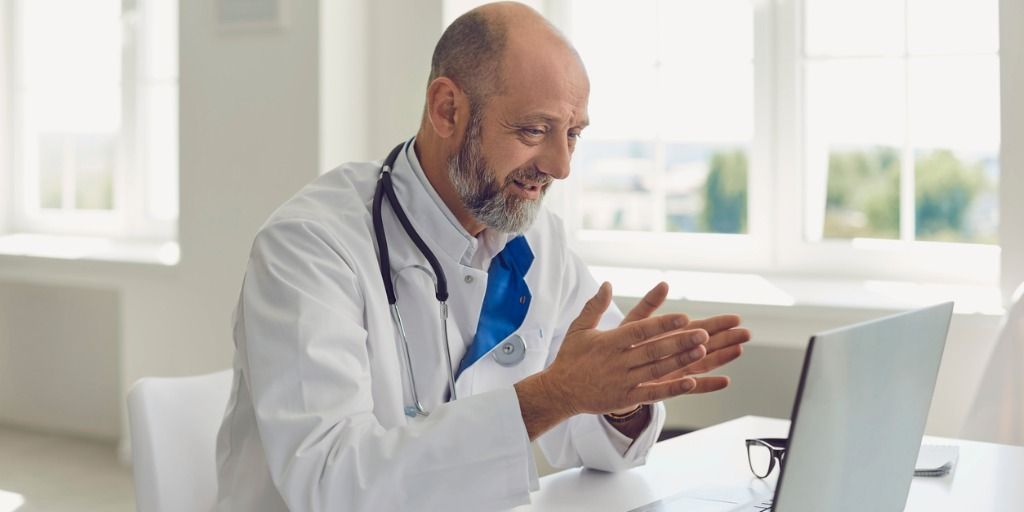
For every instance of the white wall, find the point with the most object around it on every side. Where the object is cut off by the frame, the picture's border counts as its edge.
(58, 359)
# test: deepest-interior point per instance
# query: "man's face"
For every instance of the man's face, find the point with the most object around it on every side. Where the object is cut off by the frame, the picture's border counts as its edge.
(520, 141)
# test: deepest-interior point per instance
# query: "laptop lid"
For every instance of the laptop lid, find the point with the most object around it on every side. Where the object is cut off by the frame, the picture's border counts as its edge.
(860, 412)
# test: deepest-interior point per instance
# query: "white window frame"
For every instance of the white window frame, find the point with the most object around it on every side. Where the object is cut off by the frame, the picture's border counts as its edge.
(129, 219)
(775, 241)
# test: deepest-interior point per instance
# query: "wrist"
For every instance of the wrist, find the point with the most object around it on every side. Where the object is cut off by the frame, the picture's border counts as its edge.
(625, 415)
(540, 404)
(557, 395)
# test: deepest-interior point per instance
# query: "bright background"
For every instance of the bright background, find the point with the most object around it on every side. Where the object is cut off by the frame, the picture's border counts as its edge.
(802, 178)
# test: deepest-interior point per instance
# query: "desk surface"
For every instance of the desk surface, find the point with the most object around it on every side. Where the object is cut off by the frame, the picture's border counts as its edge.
(987, 476)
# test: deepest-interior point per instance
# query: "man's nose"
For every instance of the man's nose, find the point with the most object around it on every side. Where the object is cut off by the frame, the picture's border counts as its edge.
(554, 161)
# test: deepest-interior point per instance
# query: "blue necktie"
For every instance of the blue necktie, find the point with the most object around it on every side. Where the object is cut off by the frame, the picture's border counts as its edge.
(506, 300)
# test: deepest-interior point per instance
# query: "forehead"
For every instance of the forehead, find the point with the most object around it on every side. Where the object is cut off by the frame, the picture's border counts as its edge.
(542, 76)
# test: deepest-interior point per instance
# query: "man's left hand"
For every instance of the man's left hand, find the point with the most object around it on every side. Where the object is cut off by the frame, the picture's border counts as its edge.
(724, 343)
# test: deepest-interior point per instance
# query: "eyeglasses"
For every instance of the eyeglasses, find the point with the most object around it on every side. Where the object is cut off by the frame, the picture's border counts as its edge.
(762, 454)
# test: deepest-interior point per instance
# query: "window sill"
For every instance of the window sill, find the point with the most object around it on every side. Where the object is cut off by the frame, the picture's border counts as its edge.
(39, 257)
(796, 293)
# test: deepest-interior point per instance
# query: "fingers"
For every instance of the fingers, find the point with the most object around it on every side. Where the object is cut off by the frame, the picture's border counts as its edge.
(710, 384)
(593, 309)
(715, 360)
(655, 392)
(650, 393)
(649, 304)
(665, 352)
(640, 331)
(716, 324)
(727, 338)
(662, 367)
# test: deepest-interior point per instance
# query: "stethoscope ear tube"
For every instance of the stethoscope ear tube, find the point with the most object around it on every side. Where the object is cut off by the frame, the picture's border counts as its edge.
(382, 243)
(441, 290)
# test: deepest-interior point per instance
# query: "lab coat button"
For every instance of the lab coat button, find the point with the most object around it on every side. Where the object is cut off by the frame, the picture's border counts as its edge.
(511, 351)
(468, 279)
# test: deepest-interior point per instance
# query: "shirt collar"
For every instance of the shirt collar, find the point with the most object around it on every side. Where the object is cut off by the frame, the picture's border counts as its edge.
(434, 220)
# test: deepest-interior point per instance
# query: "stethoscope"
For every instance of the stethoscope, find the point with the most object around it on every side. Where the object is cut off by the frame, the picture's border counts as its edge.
(509, 352)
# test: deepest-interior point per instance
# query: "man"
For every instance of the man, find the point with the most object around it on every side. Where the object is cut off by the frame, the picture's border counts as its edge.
(338, 407)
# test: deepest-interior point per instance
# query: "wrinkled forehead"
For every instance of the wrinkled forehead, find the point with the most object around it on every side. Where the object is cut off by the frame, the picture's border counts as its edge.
(540, 72)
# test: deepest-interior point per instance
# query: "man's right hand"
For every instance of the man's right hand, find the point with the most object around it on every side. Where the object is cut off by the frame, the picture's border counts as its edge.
(602, 371)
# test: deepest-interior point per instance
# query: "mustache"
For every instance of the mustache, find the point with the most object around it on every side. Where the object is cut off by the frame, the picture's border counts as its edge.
(531, 174)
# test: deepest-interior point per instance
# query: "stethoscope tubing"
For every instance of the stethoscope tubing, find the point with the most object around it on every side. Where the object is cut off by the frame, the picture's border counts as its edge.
(385, 188)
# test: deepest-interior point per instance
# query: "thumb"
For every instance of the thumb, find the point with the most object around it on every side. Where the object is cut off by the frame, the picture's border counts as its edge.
(593, 309)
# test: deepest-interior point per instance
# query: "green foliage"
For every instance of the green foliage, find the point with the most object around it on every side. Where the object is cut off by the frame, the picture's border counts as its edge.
(944, 189)
(863, 194)
(725, 193)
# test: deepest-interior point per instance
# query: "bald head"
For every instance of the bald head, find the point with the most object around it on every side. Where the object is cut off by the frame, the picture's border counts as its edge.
(472, 49)
(506, 102)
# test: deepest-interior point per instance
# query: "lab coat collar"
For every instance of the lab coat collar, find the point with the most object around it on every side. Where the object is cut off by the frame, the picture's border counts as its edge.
(433, 219)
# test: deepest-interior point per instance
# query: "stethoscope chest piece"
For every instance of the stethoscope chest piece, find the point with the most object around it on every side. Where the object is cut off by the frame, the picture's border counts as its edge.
(511, 351)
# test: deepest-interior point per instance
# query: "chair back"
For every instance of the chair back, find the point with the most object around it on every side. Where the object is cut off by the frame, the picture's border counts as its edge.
(174, 423)
(997, 414)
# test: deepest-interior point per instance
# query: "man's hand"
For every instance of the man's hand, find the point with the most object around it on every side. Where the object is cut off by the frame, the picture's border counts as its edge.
(645, 360)
(724, 345)
(602, 371)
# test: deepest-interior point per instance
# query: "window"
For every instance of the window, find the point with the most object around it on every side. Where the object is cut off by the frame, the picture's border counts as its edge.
(831, 137)
(901, 129)
(94, 117)
(673, 88)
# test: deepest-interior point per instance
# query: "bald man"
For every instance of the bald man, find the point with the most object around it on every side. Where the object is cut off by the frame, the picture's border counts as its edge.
(343, 402)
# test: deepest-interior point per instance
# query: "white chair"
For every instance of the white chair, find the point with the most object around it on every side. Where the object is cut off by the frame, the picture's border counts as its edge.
(174, 423)
(997, 414)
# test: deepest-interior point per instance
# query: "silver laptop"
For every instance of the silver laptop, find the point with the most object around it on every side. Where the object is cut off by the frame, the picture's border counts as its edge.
(858, 417)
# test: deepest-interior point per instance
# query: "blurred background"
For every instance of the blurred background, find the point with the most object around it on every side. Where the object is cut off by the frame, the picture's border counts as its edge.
(804, 163)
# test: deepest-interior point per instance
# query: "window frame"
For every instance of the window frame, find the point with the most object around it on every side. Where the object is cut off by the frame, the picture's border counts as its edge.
(673, 250)
(775, 242)
(129, 218)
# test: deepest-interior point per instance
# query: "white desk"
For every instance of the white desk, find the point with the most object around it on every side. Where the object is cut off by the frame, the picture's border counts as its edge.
(988, 477)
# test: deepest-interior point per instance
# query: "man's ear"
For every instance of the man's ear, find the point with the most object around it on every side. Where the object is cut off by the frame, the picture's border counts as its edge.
(447, 106)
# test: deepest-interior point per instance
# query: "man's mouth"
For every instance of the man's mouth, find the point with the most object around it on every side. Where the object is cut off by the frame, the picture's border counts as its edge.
(528, 189)
(525, 185)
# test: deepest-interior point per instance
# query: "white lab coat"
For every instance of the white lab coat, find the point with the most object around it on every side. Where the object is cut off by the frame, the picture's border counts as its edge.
(315, 420)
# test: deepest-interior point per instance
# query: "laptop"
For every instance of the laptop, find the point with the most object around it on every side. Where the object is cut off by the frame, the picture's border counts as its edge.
(857, 420)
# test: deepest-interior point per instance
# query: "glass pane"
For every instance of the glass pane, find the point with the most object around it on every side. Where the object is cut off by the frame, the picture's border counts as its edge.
(706, 30)
(95, 160)
(956, 195)
(863, 194)
(953, 26)
(618, 47)
(618, 184)
(707, 102)
(52, 159)
(858, 101)
(954, 120)
(845, 27)
(954, 103)
(67, 133)
(855, 116)
(62, 40)
(706, 189)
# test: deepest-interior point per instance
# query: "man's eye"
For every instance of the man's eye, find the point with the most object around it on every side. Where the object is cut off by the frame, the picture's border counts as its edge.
(532, 132)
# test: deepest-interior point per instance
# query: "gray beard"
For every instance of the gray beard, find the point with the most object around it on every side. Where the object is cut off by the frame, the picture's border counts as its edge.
(491, 204)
